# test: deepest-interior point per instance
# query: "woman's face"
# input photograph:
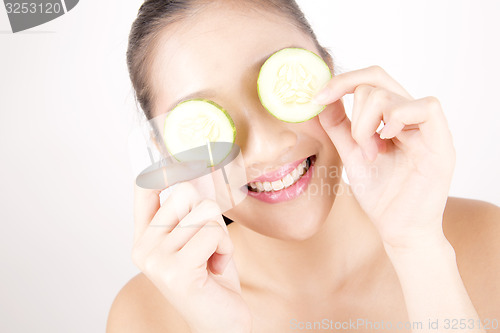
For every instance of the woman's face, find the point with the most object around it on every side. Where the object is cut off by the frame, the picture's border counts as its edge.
(217, 55)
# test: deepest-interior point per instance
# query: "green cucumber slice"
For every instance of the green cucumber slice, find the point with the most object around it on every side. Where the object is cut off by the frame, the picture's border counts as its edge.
(195, 123)
(287, 82)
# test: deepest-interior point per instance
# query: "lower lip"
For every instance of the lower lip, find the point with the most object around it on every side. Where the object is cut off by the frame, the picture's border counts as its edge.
(285, 194)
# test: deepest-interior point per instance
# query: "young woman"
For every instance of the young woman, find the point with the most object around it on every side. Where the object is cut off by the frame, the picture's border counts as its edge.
(388, 251)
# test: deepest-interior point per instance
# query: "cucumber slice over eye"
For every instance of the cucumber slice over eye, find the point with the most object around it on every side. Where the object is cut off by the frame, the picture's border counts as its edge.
(288, 81)
(194, 123)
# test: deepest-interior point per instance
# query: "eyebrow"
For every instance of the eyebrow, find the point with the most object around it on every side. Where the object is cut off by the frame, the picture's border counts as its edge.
(261, 62)
(201, 94)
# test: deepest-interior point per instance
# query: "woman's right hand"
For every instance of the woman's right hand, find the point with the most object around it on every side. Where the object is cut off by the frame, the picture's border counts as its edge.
(184, 248)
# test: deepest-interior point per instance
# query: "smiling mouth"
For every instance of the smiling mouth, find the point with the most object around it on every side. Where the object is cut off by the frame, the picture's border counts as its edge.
(288, 180)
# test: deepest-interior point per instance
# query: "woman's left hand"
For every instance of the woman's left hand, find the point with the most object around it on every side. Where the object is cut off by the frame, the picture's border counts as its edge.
(401, 177)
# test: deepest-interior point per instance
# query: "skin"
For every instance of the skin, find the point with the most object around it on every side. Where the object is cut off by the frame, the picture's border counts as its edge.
(390, 247)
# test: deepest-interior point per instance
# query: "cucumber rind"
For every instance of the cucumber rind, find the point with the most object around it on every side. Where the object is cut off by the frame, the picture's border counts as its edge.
(264, 94)
(224, 115)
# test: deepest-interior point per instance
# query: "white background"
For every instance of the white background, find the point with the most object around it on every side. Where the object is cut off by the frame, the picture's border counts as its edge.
(66, 111)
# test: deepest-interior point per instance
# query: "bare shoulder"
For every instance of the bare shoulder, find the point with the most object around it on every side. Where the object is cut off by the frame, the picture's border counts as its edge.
(471, 223)
(140, 307)
(473, 229)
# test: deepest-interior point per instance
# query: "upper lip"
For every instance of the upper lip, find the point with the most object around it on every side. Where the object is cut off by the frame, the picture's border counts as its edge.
(278, 173)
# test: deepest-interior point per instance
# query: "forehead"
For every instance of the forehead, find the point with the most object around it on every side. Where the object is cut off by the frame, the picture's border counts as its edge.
(217, 49)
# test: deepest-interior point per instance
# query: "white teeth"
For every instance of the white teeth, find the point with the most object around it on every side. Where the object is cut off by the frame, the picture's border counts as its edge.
(267, 186)
(277, 185)
(260, 187)
(285, 182)
(288, 180)
(300, 169)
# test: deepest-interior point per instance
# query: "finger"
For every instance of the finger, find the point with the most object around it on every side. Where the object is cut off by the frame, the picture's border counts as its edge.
(217, 263)
(210, 239)
(179, 203)
(346, 83)
(367, 143)
(427, 114)
(202, 213)
(151, 218)
(361, 93)
(146, 204)
(337, 125)
(376, 103)
(410, 141)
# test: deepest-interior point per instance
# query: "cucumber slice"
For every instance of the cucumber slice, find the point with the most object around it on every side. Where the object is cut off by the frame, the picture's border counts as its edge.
(195, 123)
(287, 82)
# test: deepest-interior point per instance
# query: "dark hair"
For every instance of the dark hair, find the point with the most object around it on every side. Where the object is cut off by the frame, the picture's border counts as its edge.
(155, 15)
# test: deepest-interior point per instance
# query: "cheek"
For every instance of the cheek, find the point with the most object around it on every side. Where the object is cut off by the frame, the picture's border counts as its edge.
(327, 153)
(314, 129)
(314, 126)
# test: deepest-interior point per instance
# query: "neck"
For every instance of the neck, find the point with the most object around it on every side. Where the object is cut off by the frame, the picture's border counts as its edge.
(345, 244)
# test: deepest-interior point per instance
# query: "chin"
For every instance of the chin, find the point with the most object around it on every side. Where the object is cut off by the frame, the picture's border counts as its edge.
(297, 221)
(299, 228)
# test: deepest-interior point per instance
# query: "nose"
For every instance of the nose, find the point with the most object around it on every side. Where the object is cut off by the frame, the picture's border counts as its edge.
(265, 141)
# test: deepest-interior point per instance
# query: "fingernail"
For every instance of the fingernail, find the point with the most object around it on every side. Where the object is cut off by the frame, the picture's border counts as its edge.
(383, 133)
(390, 130)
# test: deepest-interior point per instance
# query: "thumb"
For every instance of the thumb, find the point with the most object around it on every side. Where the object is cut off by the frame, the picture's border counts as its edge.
(338, 127)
